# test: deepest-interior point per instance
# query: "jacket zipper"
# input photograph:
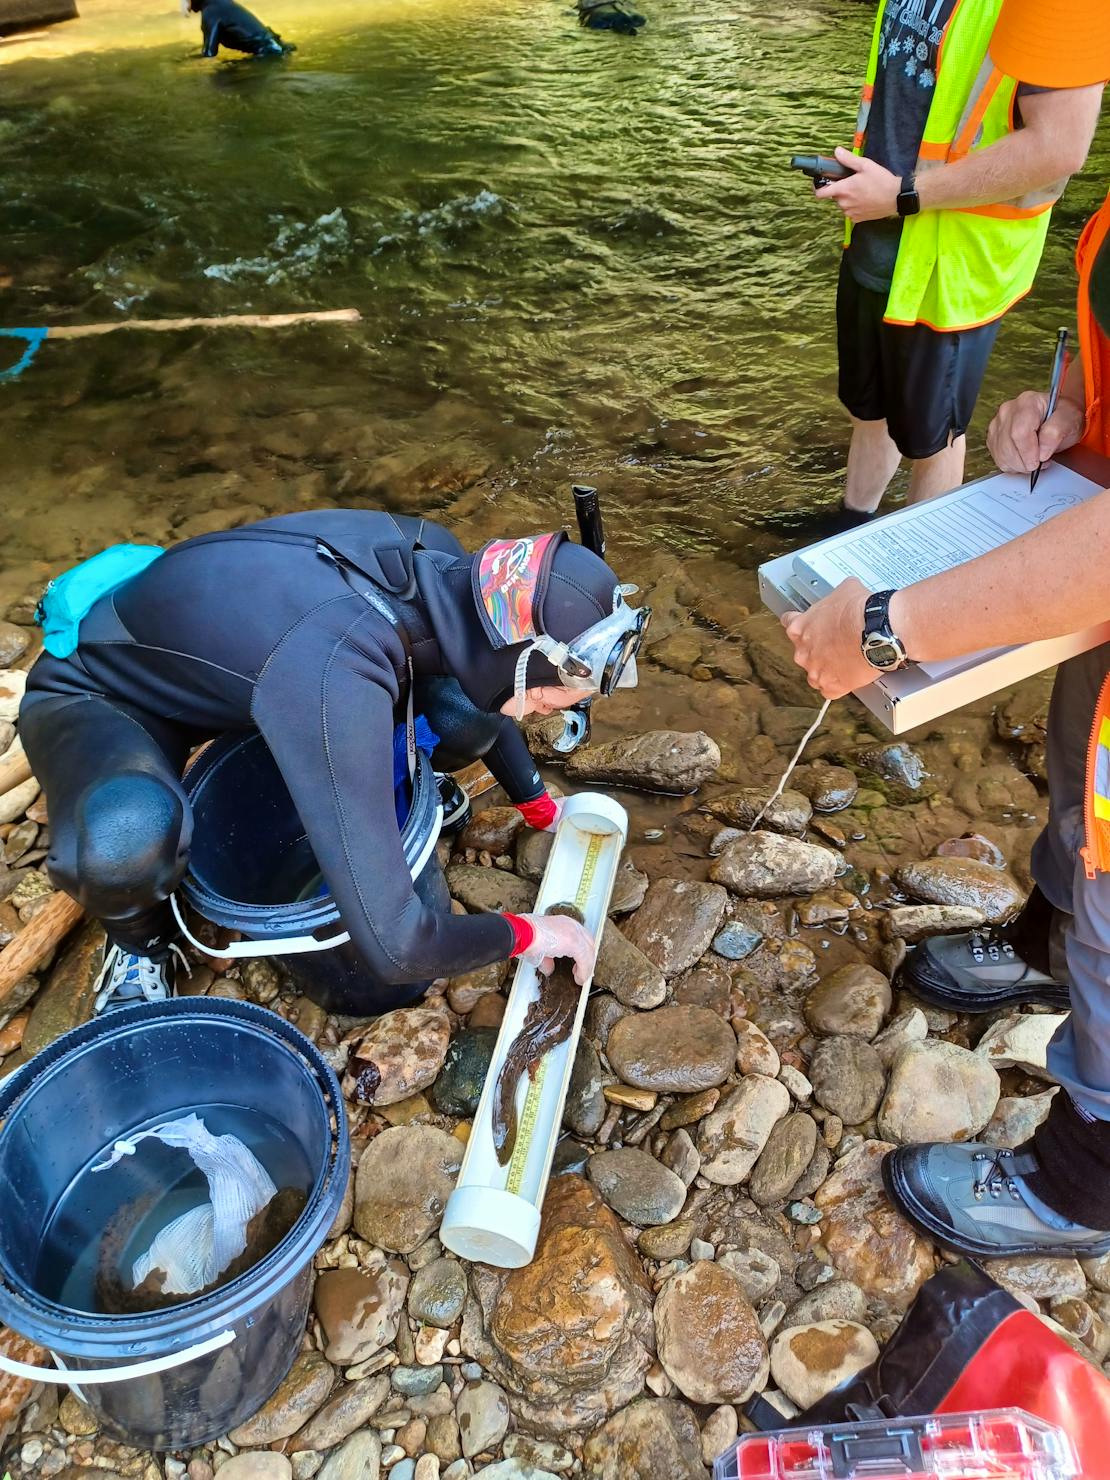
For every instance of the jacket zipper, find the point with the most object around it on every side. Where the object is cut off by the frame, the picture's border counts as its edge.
(1091, 854)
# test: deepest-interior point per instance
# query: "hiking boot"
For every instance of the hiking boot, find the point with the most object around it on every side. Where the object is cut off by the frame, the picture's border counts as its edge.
(456, 805)
(999, 966)
(127, 979)
(972, 1199)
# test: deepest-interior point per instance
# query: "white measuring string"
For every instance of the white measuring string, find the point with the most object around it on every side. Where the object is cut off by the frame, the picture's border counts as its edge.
(794, 759)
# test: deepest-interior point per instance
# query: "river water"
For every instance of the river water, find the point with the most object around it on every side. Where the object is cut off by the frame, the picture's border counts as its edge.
(578, 256)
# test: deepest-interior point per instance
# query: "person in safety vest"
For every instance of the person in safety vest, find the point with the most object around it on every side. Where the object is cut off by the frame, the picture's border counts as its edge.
(955, 166)
(336, 635)
(1052, 1194)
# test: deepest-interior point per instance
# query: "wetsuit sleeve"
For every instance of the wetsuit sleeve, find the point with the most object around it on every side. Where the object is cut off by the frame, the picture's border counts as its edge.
(511, 765)
(210, 29)
(325, 706)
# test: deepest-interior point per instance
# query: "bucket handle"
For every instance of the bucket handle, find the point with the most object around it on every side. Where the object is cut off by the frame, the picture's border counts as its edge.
(148, 1368)
(247, 950)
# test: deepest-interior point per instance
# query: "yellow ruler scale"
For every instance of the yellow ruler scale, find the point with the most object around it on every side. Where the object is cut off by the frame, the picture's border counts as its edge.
(527, 1126)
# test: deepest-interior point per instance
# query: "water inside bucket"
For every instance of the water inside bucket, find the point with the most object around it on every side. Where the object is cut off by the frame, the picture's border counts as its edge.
(105, 1220)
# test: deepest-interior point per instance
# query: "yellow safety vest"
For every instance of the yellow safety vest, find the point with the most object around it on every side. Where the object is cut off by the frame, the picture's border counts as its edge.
(961, 267)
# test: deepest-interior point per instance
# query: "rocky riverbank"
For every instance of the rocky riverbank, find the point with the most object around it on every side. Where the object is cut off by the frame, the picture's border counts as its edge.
(718, 1225)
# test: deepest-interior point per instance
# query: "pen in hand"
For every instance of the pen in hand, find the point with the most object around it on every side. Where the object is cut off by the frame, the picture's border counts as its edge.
(1058, 363)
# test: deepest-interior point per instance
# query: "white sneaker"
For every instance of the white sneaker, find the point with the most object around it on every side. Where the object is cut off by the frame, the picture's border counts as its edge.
(126, 979)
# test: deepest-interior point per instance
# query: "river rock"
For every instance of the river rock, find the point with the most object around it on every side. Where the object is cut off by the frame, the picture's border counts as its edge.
(651, 1439)
(570, 1334)
(12, 684)
(757, 1272)
(1015, 1119)
(351, 1408)
(938, 1092)
(483, 1415)
(680, 1155)
(533, 849)
(70, 991)
(676, 922)
(835, 1300)
(623, 969)
(257, 1464)
(404, 1179)
(962, 881)
(360, 1310)
(731, 1138)
(302, 1391)
(868, 1240)
(706, 985)
(401, 1054)
(847, 1078)
(788, 813)
(1038, 1275)
(437, 1293)
(661, 760)
(17, 1392)
(787, 1154)
(809, 1361)
(736, 941)
(14, 803)
(666, 1241)
(829, 788)
(466, 991)
(853, 1000)
(916, 922)
(459, 1086)
(1020, 1041)
(755, 1053)
(484, 890)
(636, 1186)
(492, 831)
(676, 1050)
(629, 888)
(585, 1107)
(14, 642)
(897, 762)
(710, 1342)
(910, 1026)
(764, 865)
(504, 1469)
(359, 1458)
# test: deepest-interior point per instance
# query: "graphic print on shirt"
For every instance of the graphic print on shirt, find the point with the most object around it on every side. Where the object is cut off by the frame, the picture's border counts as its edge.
(911, 37)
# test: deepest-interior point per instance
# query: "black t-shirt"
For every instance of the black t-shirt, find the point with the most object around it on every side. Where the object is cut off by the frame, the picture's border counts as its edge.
(905, 81)
(1100, 287)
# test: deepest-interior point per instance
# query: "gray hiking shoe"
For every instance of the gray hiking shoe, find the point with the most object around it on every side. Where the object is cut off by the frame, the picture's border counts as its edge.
(979, 971)
(971, 1198)
(127, 979)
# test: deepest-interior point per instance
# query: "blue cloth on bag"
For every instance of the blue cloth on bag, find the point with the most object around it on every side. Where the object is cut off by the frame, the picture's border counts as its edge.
(426, 740)
(72, 595)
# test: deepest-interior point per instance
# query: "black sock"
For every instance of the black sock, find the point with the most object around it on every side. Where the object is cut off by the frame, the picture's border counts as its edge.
(1073, 1156)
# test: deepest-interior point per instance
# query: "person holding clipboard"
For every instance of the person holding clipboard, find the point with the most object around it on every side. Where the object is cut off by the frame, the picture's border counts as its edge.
(1052, 1194)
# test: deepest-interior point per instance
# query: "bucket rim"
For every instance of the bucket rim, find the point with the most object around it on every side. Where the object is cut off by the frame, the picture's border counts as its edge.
(89, 1336)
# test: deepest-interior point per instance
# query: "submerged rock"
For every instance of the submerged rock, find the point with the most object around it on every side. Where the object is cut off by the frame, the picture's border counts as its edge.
(897, 762)
(676, 922)
(829, 788)
(661, 760)
(938, 1092)
(963, 881)
(763, 865)
(710, 1342)
(677, 1049)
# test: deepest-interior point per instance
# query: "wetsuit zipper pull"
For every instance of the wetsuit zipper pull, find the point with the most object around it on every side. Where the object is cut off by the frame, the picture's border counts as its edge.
(1088, 862)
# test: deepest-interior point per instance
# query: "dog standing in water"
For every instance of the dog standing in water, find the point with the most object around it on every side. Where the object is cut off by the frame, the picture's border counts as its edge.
(224, 23)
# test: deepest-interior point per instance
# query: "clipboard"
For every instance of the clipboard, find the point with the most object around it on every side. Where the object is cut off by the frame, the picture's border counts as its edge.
(923, 539)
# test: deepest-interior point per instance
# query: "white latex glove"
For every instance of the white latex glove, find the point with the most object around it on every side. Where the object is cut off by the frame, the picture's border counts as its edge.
(559, 935)
(560, 803)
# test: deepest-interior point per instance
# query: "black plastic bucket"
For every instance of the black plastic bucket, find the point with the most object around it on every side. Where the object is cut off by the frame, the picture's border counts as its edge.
(234, 1064)
(251, 868)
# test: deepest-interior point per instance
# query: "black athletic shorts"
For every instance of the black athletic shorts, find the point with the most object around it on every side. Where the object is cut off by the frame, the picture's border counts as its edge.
(924, 383)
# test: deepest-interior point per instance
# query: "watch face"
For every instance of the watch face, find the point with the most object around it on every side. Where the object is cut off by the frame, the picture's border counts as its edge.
(881, 653)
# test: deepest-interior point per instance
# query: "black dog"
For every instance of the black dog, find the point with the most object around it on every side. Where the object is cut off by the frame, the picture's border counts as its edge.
(224, 23)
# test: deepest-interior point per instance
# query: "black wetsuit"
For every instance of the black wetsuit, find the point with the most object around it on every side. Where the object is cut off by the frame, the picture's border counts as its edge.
(224, 23)
(259, 628)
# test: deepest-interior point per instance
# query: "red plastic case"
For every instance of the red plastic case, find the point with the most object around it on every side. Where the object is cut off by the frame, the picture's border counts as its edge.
(1006, 1444)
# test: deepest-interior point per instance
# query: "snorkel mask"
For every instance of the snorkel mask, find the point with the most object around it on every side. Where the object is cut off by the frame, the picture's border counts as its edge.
(511, 579)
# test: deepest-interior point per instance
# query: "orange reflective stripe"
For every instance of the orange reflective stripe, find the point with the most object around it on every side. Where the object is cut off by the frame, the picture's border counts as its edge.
(857, 143)
(1096, 854)
(1005, 212)
(936, 152)
(956, 328)
(965, 139)
(868, 92)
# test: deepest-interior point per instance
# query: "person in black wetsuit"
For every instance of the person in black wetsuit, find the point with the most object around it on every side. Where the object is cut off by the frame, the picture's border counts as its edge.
(224, 23)
(307, 627)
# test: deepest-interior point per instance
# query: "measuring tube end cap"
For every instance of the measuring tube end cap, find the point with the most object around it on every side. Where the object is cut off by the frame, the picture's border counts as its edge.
(490, 1226)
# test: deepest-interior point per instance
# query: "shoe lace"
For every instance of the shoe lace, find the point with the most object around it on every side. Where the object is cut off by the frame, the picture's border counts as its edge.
(990, 944)
(996, 1178)
(122, 968)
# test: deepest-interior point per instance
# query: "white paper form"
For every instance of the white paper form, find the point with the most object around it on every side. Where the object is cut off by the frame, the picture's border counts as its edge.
(928, 538)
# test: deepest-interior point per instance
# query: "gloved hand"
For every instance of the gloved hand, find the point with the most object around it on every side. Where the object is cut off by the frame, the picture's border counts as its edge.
(543, 812)
(559, 935)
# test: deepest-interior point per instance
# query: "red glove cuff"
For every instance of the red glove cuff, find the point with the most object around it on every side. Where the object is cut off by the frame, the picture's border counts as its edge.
(523, 933)
(540, 812)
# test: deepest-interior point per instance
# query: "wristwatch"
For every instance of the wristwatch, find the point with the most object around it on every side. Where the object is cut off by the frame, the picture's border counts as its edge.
(882, 649)
(909, 202)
